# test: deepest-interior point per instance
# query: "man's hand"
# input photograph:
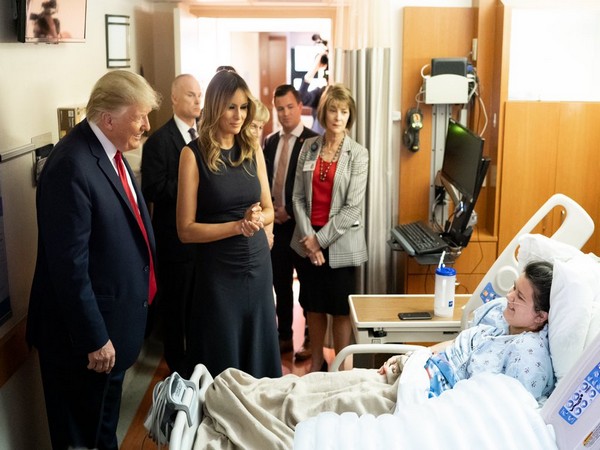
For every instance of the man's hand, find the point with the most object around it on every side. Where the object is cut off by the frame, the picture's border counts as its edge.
(103, 359)
(281, 215)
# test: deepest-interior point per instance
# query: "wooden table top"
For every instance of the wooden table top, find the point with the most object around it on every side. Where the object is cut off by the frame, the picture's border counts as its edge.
(382, 310)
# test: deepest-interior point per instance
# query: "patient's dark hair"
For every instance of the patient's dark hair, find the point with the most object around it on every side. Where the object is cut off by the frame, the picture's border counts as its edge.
(539, 273)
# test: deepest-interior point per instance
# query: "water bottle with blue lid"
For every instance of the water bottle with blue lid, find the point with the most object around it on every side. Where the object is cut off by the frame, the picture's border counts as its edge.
(445, 281)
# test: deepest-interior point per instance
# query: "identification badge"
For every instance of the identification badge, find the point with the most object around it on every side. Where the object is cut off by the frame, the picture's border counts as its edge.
(309, 166)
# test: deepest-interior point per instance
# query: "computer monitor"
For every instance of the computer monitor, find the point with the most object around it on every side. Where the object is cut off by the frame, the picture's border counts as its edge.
(462, 156)
(463, 171)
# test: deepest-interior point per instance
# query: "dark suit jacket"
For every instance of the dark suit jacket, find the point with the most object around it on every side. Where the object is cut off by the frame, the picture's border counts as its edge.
(270, 151)
(91, 276)
(160, 172)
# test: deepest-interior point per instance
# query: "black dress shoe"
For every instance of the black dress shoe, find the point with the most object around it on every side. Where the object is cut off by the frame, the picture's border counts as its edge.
(286, 345)
(304, 352)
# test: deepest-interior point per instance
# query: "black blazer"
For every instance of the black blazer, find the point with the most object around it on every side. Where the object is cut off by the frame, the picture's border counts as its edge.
(270, 151)
(91, 276)
(160, 172)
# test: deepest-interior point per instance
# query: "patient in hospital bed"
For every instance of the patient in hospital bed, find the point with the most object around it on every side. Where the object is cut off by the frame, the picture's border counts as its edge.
(510, 337)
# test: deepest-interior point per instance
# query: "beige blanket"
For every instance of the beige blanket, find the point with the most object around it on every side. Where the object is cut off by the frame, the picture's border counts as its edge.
(243, 412)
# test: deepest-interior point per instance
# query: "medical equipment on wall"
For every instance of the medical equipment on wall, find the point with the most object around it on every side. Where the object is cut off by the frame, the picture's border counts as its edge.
(414, 123)
(450, 83)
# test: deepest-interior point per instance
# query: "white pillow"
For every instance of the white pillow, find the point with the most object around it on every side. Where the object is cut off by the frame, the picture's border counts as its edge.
(574, 285)
(594, 321)
(537, 247)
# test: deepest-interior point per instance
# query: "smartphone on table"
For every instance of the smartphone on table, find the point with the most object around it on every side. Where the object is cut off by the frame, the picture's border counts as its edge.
(417, 315)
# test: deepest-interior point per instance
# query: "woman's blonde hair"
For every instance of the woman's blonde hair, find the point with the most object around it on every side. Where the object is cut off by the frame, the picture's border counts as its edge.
(262, 112)
(118, 89)
(336, 94)
(218, 96)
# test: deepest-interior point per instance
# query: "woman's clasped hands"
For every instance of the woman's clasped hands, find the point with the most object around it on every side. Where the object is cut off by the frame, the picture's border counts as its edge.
(313, 250)
(253, 220)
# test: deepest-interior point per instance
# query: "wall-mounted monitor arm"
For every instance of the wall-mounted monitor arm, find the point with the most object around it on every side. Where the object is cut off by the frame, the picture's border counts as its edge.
(455, 196)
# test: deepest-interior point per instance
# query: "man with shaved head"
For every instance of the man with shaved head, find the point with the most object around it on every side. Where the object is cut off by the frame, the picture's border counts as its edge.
(160, 164)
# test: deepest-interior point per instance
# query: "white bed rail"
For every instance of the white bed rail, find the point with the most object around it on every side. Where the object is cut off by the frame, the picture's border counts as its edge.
(183, 434)
(575, 230)
(393, 349)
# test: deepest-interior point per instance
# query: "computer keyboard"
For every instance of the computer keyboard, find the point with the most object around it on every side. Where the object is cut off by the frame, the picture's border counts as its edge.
(417, 238)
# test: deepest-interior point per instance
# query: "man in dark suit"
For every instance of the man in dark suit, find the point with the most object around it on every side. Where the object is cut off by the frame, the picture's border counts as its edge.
(94, 275)
(282, 172)
(175, 261)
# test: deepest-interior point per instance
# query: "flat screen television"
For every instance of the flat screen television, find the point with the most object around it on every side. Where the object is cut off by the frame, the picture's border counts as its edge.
(51, 21)
(463, 171)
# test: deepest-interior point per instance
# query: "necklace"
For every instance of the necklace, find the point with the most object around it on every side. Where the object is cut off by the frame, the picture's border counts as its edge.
(325, 166)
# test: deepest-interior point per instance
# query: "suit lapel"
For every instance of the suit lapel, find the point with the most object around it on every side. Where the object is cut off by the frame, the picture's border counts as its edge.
(314, 149)
(342, 165)
(110, 173)
(311, 156)
(178, 140)
(105, 164)
(291, 169)
(270, 151)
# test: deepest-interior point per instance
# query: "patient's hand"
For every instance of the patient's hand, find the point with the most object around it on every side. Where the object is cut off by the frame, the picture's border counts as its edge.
(393, 367)
(389, 369)
(386, 365)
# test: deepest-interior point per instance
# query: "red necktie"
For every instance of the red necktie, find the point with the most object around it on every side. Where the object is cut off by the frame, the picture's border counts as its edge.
(123, 177)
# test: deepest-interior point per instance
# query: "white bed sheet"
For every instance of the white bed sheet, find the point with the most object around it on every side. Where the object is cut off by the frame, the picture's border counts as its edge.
(504, 415)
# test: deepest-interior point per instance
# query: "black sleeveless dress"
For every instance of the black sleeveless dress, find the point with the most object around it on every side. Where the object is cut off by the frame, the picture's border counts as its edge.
(232, 318)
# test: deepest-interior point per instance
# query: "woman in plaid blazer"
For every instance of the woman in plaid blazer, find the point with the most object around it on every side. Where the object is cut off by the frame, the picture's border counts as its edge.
(329, 238)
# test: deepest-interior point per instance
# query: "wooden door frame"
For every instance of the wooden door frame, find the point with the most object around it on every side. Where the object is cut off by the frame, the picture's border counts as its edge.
(268, 78)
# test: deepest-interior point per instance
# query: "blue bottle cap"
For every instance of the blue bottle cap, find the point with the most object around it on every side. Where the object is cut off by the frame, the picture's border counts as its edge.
(445, 271)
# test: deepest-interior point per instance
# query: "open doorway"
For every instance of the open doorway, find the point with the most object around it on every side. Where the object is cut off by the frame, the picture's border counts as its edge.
(260, 49)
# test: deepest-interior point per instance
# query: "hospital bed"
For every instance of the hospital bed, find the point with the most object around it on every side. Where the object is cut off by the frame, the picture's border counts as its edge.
(498, 411)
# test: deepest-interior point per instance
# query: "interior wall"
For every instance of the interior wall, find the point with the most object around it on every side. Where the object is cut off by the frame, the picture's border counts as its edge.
(162, 27)
(555, 54)
(35, 80)
(245, 53)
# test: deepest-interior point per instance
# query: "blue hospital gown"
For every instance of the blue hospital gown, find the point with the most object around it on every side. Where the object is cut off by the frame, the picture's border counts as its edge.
(487, 347)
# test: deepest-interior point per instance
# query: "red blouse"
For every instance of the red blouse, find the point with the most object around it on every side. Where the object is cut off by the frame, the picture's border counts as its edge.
(321, 194)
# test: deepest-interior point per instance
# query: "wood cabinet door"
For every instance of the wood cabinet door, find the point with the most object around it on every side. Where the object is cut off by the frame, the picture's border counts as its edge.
(529, 165)
(578, 162)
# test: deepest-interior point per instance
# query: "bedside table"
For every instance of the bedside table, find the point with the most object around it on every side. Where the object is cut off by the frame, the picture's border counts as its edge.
(375, 319)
